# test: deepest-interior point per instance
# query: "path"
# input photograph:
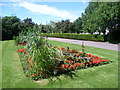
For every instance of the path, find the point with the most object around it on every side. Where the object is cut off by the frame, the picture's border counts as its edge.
(88, 43)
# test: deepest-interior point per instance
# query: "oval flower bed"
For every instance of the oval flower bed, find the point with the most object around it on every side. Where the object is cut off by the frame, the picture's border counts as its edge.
(70, 61)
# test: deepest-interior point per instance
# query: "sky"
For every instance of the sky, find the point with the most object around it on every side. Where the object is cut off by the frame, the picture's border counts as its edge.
(43, 12)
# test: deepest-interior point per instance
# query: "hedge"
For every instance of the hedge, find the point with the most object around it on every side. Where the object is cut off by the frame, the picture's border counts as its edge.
(75, 36)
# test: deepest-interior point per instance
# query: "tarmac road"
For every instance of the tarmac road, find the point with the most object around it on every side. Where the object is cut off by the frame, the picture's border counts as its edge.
(103, 45)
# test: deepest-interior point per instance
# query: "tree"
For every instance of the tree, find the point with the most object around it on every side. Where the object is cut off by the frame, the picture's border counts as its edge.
(100, 16)
(27, 23)
(63, 26)
(78, 25)
(10, 27)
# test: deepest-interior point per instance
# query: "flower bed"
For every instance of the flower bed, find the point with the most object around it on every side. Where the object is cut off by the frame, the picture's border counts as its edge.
(70, 60)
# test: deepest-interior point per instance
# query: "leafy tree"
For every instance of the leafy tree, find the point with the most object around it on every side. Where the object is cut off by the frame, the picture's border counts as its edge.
(10, 27)
(63, 26)
(78, 25)
(100, 16)
(27, 23)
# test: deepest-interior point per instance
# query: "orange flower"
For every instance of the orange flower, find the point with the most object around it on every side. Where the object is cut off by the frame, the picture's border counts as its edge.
(62, 48)
(66, 49)
(72, 66)
(71, 51)
(78, 54)
(67, 61)
(77, 64)
(64, 66)
(22, 50)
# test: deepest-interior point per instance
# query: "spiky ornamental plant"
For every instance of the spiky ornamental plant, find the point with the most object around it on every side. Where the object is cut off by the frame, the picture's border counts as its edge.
(43, 57)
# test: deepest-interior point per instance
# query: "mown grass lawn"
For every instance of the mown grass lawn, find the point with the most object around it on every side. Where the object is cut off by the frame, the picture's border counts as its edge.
(105, 76)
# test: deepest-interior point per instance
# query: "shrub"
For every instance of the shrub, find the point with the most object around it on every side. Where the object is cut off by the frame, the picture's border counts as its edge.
(75, 36)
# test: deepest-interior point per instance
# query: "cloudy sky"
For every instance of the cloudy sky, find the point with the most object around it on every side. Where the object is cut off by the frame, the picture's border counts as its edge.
(43, 12)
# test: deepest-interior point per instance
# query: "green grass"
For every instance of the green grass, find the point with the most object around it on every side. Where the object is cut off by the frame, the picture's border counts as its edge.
(105, 76)
(0, 64)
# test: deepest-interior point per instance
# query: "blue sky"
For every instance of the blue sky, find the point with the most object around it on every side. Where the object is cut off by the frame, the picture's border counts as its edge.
(43, 12)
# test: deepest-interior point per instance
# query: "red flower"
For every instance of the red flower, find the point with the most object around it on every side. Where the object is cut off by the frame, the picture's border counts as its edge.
(72, 66)
(75, 64)
(78, 54)
(89, 55)
(64, 66)
(35, 74)
(90, 63)
(104, 60)
(96, 62)
(78, 64)
(21, 50)
(62, 48)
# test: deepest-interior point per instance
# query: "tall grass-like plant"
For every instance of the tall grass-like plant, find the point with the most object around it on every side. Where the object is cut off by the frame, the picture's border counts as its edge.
(40, 57)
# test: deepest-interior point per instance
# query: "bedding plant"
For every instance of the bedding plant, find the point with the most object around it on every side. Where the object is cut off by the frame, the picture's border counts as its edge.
(41, 60)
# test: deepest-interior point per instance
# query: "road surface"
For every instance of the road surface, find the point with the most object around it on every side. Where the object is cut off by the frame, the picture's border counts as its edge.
(89, 43)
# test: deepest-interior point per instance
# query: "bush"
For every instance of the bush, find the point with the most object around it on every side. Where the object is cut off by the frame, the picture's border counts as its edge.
(75, 36)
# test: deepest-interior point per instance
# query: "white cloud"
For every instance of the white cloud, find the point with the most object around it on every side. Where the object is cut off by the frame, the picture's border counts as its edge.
(46, 10)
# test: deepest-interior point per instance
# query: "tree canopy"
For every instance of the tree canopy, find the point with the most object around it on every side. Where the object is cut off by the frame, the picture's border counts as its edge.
(12, 25)
(97, 17)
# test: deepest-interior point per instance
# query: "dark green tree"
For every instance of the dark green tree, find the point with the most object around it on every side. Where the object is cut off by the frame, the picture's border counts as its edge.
(10, 27)
(100, 16)
(78, 25)
(27, 23)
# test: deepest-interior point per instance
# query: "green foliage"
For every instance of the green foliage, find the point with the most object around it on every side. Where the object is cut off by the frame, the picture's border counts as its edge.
(78, 25)
(10, 27)
(75, 36)
(40, 53)
(63, 26)
(100, 16)
(16, 38)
